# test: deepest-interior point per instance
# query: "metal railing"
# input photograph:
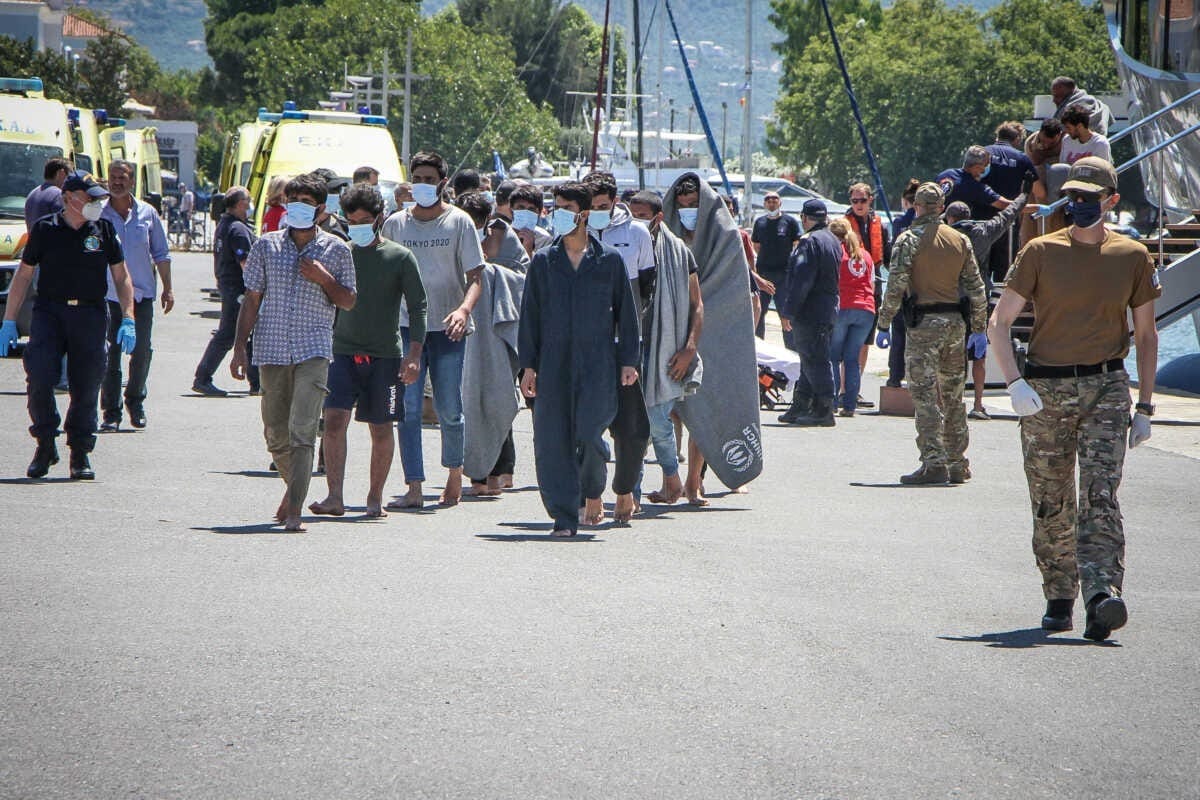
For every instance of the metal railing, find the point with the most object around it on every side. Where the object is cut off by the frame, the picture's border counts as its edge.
(1139, 158)
(1119, 135)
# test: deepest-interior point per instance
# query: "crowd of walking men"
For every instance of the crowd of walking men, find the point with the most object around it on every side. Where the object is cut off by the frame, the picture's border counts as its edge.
(624, 318)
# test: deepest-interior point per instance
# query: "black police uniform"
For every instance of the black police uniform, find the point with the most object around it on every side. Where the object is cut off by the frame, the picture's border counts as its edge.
(232, 243)
(811, 302)
(70, 317)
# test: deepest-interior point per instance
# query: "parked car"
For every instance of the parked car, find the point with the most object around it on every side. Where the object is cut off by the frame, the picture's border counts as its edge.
(791, 196)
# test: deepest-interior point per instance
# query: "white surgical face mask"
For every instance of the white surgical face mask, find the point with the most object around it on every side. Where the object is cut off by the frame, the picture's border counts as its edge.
(774, 214)
(599, 220)
(525, 220)
(490, 196)
(426, 194)
(564, 221)
(300, 216)
(92, 210)
(407, 204)
(688, 217)
(361, 234)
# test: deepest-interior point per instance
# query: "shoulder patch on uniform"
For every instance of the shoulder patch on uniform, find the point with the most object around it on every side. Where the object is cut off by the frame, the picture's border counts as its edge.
(1155, 281)
(91, 244)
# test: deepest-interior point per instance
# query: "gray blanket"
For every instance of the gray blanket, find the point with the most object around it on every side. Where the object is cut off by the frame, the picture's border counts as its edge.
(723, 416)
(667, 327)
(490, 369)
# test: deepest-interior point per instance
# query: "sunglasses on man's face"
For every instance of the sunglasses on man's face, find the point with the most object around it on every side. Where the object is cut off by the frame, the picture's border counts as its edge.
(1084, 197)
(858, 200)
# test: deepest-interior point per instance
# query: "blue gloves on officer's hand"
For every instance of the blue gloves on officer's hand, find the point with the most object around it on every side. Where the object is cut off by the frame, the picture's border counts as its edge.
(977, 345)
(8, 336)
(1042, 211)
(883, 340)
(126, 336)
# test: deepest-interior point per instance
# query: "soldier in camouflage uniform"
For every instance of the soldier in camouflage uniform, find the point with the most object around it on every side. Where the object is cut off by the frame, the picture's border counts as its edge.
(934, 264)
(1074, 400)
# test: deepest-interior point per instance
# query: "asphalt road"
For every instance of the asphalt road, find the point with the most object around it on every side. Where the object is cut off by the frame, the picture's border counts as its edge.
(828, 635)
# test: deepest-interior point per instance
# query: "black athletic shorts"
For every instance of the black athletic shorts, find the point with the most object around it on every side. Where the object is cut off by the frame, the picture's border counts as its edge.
(369, 385)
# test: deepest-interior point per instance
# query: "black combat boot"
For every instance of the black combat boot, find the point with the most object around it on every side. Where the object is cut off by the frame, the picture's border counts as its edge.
(801, 407)
(1058, 615)
(925, 475)
(81, 467)
(821, 416)
(44, 458)
(1104, 615)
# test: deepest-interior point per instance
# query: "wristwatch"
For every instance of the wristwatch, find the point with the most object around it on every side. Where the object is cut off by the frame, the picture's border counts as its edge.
(1145, 408)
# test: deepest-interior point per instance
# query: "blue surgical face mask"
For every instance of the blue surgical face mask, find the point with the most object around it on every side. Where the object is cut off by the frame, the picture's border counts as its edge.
(599, 220)
(985, 172)
(407, 204)
(1085, 215)
(490, 196)
(361, 234)
(426, 194)
(688, 217)
(525, 220)
(300, 216)
(563, 221)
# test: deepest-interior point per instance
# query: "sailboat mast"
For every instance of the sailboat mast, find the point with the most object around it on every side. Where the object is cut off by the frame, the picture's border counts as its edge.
(637, 90)
(747, 118)
(600, 86)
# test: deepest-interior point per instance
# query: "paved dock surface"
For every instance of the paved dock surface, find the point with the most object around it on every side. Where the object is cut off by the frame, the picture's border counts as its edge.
(828, 635)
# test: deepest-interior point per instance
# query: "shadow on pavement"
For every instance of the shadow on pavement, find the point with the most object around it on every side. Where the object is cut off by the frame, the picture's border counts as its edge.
(248, 473)
(1025, 638)
(862, 485)
(23, 481)
(538, 532)
(261, 527)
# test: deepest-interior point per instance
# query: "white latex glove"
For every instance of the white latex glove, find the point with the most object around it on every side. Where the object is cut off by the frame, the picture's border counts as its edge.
(1025, 399)
(1139, 429)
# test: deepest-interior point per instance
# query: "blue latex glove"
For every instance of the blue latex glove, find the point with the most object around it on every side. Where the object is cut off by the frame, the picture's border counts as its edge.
(8, 336)
(126, 336)
(1042, 211)
(883, 340)
(977, 345)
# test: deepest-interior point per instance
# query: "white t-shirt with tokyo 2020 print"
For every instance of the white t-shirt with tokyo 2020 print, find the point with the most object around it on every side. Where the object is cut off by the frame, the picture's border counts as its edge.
(446, 248)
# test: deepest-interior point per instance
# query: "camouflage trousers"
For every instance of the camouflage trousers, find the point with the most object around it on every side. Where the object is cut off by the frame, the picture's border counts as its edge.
(935, 359)
(1085, 421)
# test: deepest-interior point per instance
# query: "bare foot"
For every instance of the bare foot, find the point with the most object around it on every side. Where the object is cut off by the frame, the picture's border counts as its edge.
(328, 507)
(478, 489)
(562, 533)
(282, 512)
(506, 481)
(413, 499)
(293, 524)
(695, 495)
(453, 491)
(671, 491)
(375, 509)
(593, 511)
(624, 509)
(742, 490)
(495, 485)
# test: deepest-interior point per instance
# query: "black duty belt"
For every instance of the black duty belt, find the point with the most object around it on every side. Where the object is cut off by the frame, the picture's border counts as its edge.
(938, 308)
(1073, 370)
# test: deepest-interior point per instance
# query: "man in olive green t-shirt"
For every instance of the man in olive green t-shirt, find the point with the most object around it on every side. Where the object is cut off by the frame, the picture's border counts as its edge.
(1074, 408)
(368, 359)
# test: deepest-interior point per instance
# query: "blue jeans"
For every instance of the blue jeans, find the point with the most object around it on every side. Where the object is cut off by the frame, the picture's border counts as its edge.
(443, 360)
(662, 436)
(849, 330)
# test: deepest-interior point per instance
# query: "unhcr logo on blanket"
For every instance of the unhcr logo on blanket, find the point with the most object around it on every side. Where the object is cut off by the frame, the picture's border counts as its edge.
(741, 453)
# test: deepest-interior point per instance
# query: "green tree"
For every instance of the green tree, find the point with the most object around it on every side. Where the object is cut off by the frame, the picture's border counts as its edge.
(556, 45)
(924, 99)
(113, 68)
(801, 20)
(22, 59)
(473, 102)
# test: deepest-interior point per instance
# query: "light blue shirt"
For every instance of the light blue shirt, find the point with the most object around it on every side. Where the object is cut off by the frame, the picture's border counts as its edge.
(145, 244)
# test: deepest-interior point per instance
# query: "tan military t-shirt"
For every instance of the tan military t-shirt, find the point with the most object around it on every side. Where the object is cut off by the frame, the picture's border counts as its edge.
(938, 264)
(1081, 295)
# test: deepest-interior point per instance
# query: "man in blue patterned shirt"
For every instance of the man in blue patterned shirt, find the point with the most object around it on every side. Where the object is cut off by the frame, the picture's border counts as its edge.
(296, 279)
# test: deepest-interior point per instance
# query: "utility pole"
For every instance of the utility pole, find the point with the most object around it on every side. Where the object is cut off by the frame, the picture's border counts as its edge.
(724, 126)
(408, 79)
(747, 118)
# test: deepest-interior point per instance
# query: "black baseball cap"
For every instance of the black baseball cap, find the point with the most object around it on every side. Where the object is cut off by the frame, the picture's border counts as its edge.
(814, 209)
(80, 181)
